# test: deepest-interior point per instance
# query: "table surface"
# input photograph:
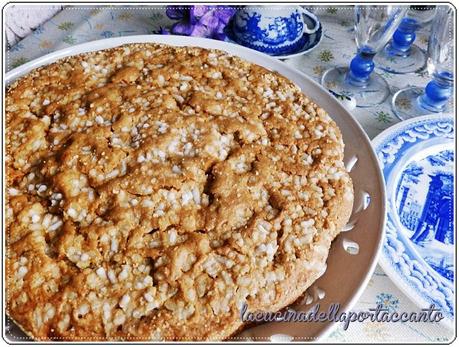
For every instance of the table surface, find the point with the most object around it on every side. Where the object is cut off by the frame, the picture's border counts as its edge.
(78, 24)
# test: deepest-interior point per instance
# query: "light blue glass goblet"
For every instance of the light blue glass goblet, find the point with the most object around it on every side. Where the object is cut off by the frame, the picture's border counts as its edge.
(374, 26)
(436, 96)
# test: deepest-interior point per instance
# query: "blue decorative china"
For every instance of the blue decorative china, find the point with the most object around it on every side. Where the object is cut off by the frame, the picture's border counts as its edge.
(275, 30)
(417, 159)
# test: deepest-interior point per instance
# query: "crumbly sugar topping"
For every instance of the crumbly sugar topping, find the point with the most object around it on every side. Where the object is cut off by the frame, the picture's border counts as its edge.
(152, 190)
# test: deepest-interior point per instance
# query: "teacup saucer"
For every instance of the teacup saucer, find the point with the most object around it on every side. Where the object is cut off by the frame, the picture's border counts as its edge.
(311, 41)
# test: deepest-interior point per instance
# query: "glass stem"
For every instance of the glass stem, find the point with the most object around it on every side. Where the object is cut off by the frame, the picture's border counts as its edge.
(403, 38)
(437, 93)
(360, 69)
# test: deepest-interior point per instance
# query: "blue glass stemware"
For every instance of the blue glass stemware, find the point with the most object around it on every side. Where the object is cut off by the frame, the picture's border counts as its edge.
(436, 96)
(374, 26)
(401, 55)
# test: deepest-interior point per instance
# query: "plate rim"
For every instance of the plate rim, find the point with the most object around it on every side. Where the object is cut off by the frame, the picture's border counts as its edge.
(401, 281)
(273, 64)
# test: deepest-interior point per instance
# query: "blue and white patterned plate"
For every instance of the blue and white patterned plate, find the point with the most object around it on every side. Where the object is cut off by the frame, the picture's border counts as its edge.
(417, 160)
(310, 41)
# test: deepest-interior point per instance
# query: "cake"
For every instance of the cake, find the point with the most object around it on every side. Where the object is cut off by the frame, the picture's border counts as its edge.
(152, 190)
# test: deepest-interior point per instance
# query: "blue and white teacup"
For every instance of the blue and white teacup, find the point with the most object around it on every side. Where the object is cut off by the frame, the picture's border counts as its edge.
(275, 30)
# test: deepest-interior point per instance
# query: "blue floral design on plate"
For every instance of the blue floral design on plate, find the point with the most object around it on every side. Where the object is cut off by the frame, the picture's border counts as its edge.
(424, 203)
(417, 159)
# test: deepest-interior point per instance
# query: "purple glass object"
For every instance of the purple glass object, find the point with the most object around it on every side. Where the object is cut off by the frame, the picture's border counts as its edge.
(174, 12)
(199, 20)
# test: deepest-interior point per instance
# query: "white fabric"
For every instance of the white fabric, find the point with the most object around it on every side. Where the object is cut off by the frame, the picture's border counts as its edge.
(20, 20)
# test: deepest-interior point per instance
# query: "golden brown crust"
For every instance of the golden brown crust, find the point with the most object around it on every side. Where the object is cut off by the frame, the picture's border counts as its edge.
(153, 189)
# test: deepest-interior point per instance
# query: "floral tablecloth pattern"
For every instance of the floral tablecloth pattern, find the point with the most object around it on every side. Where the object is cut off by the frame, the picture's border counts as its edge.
(79, 24)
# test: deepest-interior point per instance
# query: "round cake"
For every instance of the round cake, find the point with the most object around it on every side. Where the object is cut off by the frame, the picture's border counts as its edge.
(152, 190)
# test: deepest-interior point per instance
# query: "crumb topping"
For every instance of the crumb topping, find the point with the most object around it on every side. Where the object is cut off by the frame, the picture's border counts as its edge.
(151, 190)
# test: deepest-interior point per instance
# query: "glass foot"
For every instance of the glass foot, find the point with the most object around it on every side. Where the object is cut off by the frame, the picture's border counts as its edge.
(414, 61)
(405, 104)
(374, 93)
